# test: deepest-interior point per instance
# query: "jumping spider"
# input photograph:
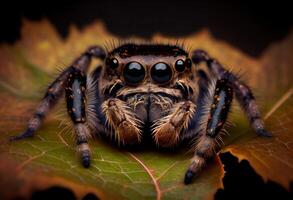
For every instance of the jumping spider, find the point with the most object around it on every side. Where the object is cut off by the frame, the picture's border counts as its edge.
(152, 90)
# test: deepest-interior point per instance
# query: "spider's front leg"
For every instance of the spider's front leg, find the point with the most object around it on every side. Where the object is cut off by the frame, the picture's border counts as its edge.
(76, 100)
(207, 145)
(56, 89)
(242, 91)
(166, 131)
(122, 120)
(73, 81)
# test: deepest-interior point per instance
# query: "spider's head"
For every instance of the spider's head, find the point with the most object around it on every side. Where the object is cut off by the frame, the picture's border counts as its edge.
(147, 67)
(154, 76)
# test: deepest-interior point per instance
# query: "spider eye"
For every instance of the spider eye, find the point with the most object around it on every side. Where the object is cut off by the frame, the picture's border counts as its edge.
(112, 62)
(133, 72)
(188, 63)
(180, 65)
(161, 72)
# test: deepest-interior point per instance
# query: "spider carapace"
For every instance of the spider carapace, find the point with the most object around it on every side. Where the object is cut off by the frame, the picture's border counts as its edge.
(155, 85)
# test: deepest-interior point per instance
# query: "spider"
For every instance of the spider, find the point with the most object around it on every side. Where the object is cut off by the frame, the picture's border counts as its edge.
(145, 90)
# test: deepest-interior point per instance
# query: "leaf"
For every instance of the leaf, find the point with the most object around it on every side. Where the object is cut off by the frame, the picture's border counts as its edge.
(272, 158)
(147, 174)
(49, 158)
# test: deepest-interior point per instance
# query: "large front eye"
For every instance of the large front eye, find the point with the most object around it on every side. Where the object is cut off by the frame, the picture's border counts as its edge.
(133, 72)
(161, 72)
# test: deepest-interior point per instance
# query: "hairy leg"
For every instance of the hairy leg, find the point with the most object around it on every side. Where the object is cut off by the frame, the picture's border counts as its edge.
(242, 91)
(121, 118)
(207, 144)
(76, 100)
(166, 131)
(56, 89)
(203, 102)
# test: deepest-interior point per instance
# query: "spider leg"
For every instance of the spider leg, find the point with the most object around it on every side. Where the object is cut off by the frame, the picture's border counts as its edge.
(120, 117)
(76, 100)
(207, 144)
(172, 124)
(242, 91)
(203, 99)
(56, 89)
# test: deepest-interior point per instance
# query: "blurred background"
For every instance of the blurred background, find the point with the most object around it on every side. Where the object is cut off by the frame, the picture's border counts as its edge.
(248, 25)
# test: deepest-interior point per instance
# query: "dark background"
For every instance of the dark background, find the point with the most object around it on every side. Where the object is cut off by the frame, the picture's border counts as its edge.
(250, 26)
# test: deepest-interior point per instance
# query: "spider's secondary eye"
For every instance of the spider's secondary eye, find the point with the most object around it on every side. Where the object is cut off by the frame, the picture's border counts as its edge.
(180, 65)
(133, 72)
(161, 72)
(188, 63)
(112, 62)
